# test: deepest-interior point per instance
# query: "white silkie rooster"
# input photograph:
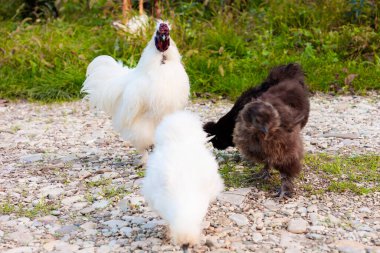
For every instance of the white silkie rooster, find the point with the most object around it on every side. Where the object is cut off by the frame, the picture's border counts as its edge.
(138, 98)
(182, 177)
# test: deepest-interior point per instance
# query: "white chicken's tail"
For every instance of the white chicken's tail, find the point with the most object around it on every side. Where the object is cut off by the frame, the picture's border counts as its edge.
(103, 84)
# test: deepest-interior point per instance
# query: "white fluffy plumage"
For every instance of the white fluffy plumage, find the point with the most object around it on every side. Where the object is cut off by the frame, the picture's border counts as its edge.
(182, 176)
(138, 98)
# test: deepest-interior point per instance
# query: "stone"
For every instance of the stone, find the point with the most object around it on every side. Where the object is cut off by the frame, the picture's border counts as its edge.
(239, 219)
(20, 250)
(1, 234)
(22, 236)
(235, 197)
(4, 218)
(88, 225)
(127, 231)
(31, 158)
(365, 210)
(136, 201)
(257, 237)
(348, 246)
(68, 201)
(116, 223)
(341, 135)
(297, 226)
(124, 205)
(60, 246)
(314, 236)
(79, 206)
(271, 205)
(316, 228)
(312, 209)
(87, 210)
(333, 219)
(48, 219)
(67, 229)
(51, 191)
(314, 218)
(100, 204)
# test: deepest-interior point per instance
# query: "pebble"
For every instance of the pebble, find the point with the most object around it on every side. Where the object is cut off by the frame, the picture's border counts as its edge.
(297, 226)
(257, 237)
(31, 158)
(127, 231)
(100, 204)
(239, 219)
(348, 246)
(20, 250)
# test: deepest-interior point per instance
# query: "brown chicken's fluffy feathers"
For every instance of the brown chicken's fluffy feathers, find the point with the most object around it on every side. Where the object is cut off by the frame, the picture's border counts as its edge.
(268, 128)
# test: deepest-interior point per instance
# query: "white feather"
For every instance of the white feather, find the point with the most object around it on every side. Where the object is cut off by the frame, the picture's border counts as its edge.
(182, 176)
(137, 99)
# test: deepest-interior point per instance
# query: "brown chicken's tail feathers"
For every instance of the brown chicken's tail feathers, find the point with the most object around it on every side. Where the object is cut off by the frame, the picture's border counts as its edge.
(209, 128)
(283, 72)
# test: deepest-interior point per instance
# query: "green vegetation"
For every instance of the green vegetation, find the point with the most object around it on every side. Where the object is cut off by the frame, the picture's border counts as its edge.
(226, 48)
(358, 174)
(43, 207)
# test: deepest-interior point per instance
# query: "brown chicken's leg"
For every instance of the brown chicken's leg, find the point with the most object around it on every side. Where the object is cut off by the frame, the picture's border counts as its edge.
(263, 173)
(287, 188)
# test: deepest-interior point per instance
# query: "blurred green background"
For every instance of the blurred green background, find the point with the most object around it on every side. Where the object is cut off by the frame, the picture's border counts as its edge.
(227, 46)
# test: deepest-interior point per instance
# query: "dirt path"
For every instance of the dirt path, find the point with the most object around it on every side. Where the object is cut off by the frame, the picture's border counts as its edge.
(69, 184)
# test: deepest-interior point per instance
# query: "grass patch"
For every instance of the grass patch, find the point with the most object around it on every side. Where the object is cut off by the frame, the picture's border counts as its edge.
(42, 208)
(225, 48)
(322, 173)
(358, 174)
(114, 192)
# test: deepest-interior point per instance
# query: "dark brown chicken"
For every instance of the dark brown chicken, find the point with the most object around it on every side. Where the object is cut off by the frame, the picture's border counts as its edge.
(222, 130)
(268, 129)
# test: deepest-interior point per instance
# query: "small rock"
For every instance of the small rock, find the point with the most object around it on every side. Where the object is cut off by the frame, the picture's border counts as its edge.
(1, 233)
(60, 246)
(314, 236)
(20, 250)
(347, 246)
(4, 218)
(136, 201)
(271, 205)
(365, 210)
(124, 205)
(314, 218)
(127, 231)
(31, 158)
(292, 250)
(87, 210)
(116, 223)
(312, 209)
(71, 200)
(257, 237)
(88, 225)
(67, 229)
(100, 204)
(49, 219)
(297, 226)
(239, 219)
(333, 219)
(235, 197)
(316, 228)
(22, 236)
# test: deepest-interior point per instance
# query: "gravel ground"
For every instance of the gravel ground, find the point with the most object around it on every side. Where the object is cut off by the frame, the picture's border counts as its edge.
(65, 164)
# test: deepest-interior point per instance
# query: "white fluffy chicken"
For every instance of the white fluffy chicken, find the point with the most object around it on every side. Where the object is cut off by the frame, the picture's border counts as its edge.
(182, 176)
(137, 99)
